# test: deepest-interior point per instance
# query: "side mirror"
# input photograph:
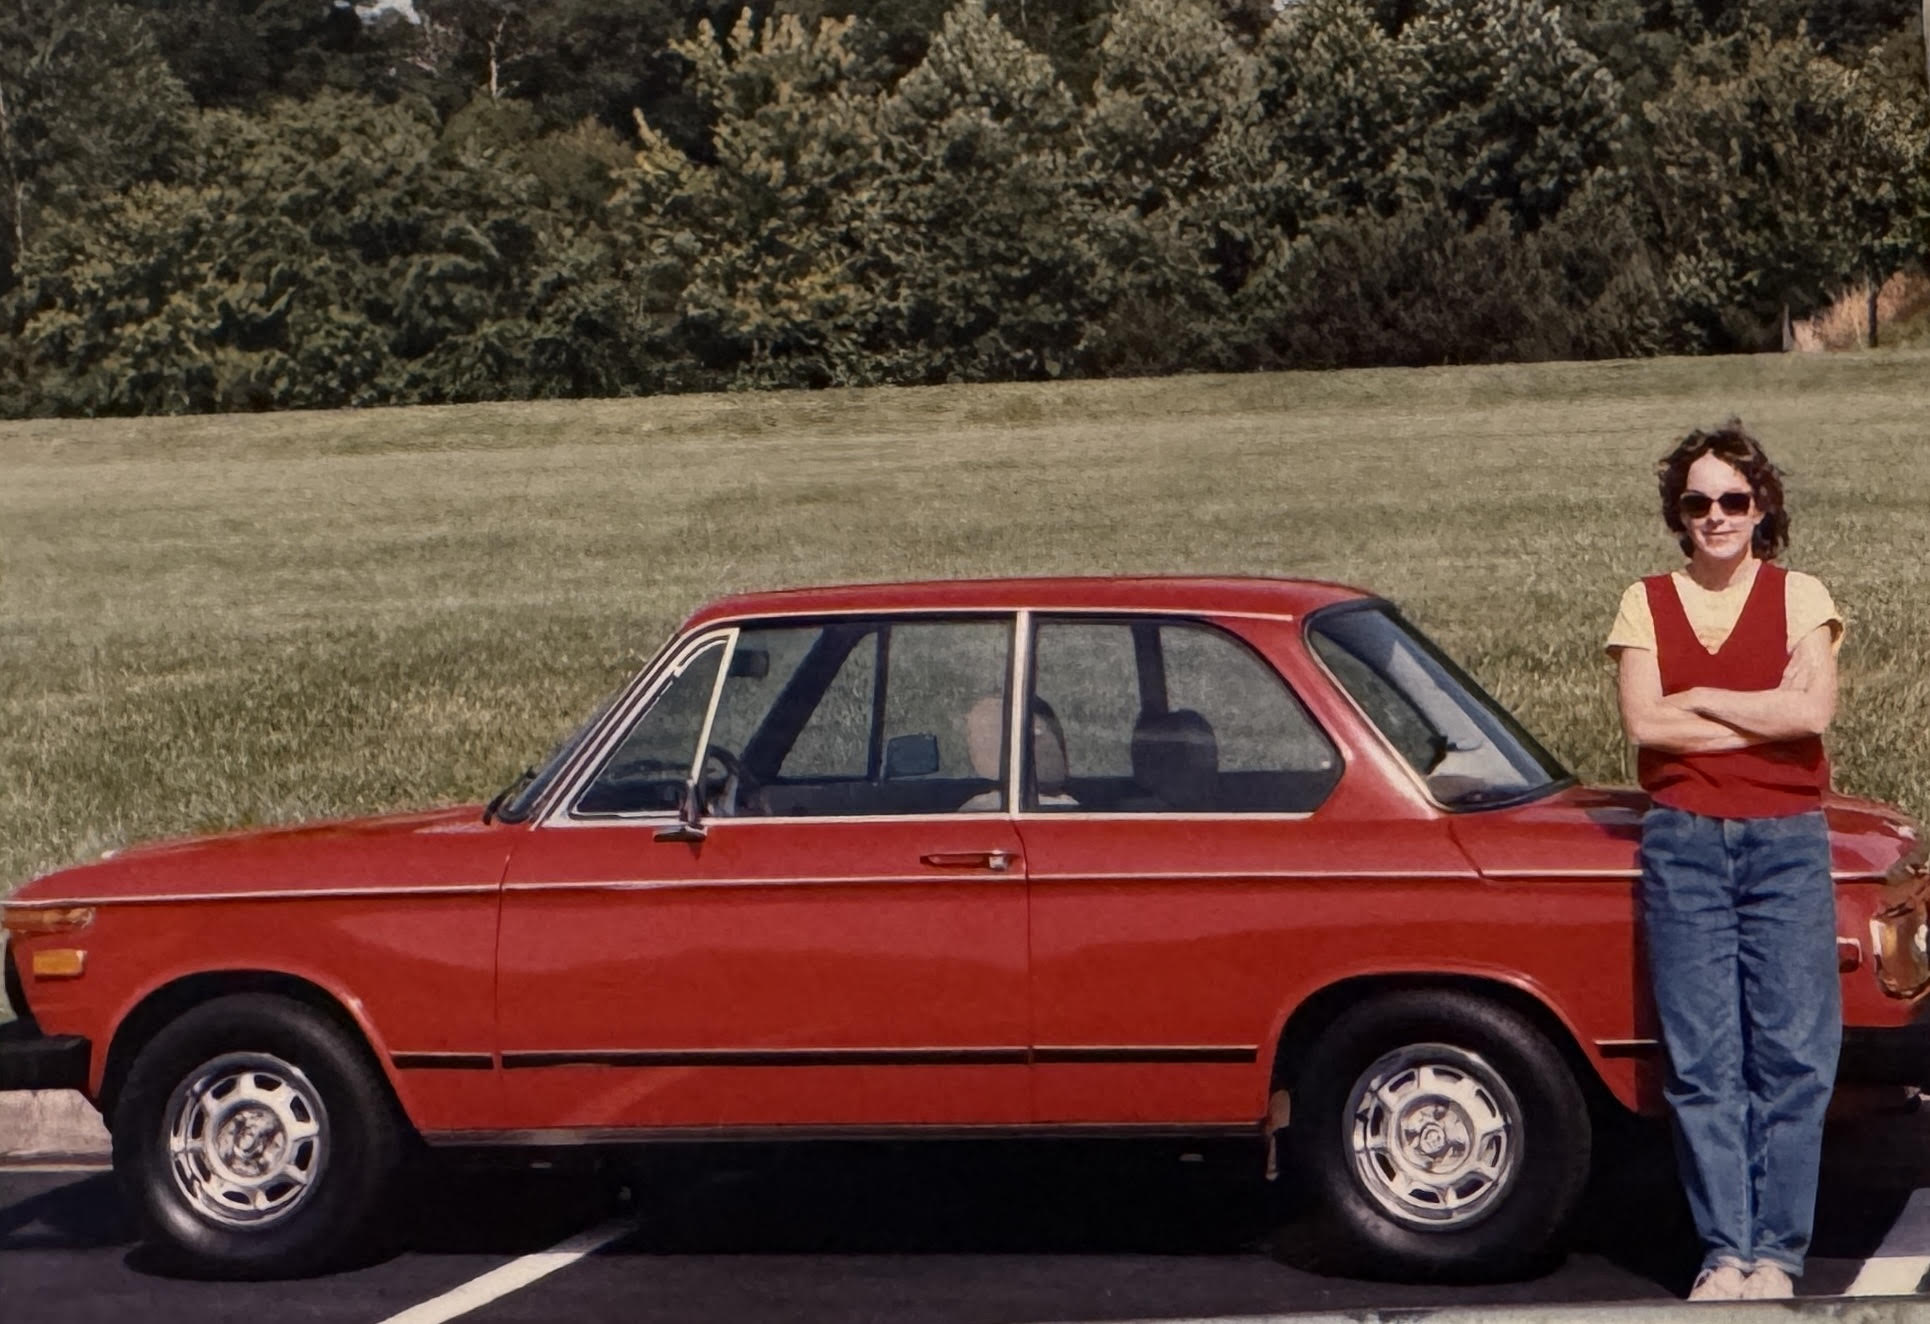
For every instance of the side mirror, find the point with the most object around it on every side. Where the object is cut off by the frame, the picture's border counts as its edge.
(690, 816)
(911, 756)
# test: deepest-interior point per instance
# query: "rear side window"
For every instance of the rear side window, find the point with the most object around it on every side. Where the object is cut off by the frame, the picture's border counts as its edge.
(1165, 716)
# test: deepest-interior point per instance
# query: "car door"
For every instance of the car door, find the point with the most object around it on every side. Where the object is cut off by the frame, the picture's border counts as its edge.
(838, 941)
(1191, 846)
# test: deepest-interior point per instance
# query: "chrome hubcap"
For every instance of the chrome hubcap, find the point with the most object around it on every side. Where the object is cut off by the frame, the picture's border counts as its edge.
(1435, 1134)
(247, 1139)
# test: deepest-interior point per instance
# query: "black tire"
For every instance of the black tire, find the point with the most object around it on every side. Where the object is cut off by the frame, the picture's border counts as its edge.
(274, 1069)
(1489, 1072)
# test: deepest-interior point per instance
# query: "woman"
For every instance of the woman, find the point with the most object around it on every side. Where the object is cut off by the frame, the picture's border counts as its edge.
(1727, 678)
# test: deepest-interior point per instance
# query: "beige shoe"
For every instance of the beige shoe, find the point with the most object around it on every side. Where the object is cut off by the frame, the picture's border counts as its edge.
(1767, 1282)
(1724, 1282)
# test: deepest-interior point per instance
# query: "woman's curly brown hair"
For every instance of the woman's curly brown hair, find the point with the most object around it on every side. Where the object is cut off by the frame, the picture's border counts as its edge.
(1733, 443)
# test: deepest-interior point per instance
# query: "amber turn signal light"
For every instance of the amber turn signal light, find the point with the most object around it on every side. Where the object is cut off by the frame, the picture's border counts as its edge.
(60, 963)
(35, 922)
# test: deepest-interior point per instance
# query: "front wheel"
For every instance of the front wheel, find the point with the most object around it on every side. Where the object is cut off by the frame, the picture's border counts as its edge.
(1442, 1136)
(255, 1140)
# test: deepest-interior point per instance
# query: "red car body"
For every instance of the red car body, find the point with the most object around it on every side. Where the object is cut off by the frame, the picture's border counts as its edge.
(559, 981)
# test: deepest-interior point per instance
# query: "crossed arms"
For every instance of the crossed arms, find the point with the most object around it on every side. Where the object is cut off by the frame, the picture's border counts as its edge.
(1704, 720)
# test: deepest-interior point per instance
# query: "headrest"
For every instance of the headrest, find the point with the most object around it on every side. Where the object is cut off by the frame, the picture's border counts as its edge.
(985, 735)
(1176, 758)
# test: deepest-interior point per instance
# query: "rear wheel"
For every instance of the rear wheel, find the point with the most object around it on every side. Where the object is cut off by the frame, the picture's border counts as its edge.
(1441, 1135)
(255, 1140)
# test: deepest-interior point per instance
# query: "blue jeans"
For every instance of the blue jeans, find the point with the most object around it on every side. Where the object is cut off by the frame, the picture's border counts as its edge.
(1740, 920)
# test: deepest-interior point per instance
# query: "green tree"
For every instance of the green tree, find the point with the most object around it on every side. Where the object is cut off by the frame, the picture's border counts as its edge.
(61, 139)
(973, 246)
(1778, 187)
(1340, 103)
(739, 256)
(1173, 155)
(331, 251)
(1514, 113)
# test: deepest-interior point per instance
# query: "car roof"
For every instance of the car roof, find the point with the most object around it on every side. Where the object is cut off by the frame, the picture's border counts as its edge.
(1220, 595)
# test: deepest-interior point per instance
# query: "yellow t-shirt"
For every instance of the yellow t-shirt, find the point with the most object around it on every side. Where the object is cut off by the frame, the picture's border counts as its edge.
(1712, 615)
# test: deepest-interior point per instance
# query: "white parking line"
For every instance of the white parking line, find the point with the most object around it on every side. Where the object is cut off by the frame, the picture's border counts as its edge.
(517, 1274)
(1904, 1257)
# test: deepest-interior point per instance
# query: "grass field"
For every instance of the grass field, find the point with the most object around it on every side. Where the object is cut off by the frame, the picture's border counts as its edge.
(209, 622)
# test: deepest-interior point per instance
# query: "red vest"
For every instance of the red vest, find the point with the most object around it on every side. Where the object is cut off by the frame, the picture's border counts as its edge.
(1762, 781)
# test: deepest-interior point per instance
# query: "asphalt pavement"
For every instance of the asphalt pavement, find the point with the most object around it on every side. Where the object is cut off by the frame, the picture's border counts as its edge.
(977, 1233)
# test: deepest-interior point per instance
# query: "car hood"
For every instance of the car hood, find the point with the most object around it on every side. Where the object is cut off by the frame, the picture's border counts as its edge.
(1592, 832)
(437, 848)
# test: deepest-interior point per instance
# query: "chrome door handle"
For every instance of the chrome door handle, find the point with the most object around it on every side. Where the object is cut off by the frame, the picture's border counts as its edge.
(998, 861)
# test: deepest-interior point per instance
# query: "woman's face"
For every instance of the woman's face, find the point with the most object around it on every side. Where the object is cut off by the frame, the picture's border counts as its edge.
(1718, 534)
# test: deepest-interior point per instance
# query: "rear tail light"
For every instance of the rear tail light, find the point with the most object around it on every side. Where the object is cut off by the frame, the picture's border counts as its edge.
(1900, 929)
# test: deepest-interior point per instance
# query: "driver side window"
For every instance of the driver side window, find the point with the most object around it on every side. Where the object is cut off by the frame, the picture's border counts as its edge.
(647, 771)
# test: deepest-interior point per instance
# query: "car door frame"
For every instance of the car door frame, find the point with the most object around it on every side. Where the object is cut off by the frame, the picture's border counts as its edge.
(900, 1079)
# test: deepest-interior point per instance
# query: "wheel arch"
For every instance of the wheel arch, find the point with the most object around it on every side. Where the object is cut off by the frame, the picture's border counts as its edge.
(162, 1005)
(1319, 1010)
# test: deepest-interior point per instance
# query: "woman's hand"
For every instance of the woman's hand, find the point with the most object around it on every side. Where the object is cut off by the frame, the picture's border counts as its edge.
(1802, 704)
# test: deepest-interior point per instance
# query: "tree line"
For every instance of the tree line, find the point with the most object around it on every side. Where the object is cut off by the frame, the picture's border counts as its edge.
(213, 205)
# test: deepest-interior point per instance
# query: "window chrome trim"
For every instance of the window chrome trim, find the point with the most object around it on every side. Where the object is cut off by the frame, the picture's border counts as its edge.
(710, 712)
(1018, 699)
(1007, 609)
(261, 894)
(985, 877)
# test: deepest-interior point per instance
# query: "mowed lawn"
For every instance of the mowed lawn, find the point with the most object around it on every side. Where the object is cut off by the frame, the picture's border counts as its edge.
(213, 622)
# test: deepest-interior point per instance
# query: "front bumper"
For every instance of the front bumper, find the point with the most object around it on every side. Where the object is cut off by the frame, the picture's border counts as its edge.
(1891, 1055)
(30, 1060)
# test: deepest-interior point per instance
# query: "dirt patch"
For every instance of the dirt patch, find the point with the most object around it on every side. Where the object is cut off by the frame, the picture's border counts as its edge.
(1845, 324)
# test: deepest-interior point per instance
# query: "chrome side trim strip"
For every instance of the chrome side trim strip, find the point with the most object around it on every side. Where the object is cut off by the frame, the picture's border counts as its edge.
(1549, 875)
(688, 884)
(988, 877)
(290, 894)
(1263, 876)
(594, 1135)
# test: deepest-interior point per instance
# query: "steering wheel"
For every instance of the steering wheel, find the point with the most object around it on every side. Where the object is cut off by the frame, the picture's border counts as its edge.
(733, 795)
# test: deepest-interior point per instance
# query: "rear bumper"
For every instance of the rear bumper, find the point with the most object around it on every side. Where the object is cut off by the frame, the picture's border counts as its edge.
(30, 1060)
(1893, 1055)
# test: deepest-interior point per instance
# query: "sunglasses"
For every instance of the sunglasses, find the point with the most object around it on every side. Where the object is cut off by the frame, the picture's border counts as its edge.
(1696, 504)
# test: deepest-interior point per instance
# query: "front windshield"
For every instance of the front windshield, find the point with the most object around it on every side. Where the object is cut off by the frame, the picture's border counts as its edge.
(1466, 747)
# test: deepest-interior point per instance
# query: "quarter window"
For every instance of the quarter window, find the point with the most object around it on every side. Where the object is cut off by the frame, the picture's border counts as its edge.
(650, 766)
